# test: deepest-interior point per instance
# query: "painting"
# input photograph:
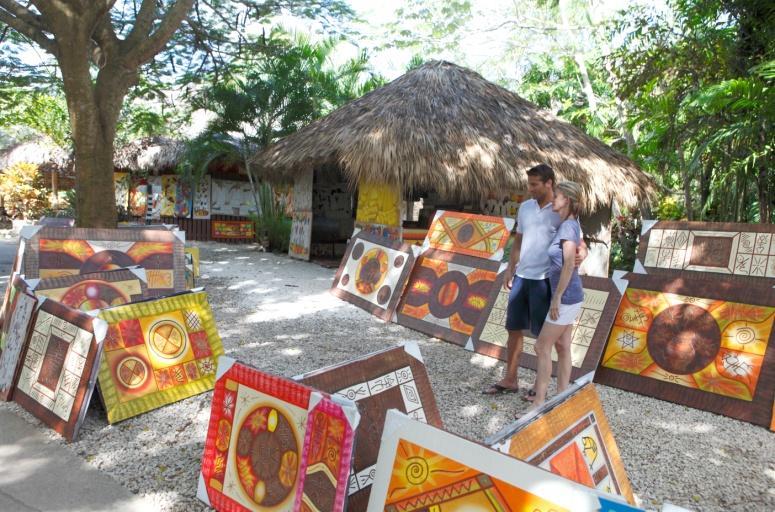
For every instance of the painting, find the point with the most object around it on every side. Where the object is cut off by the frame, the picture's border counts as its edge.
(16, 269)
(704, 342)
(424, 468)
(379, 203)
(155, 202)
(386, 233)
(590, 330)
(95, 290)
(169, 188)
(232, 198)
(373, 274)
(301, 235)
(201, 202)
(275, 445)
(743, 250)
(157, 352)
(183, 198)
(59, 367)
(13, 338)
(121, 182)
(447, 294)
(229, 229)
(503, 205)
(57, 252)
(480, 236)
(569, 436)
(138, 196)
(394, 378)
(302, 191)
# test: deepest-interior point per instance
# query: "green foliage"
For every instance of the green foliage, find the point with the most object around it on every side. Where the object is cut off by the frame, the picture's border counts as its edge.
(669, 208)
(26, 111)
(24, 191)
(625, 230)
(272, 221)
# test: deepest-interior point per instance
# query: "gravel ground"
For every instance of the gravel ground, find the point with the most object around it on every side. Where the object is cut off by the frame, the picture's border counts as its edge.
(276, 314)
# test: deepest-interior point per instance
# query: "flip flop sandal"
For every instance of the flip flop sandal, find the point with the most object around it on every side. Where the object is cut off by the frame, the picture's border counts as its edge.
(529, 396)
(497, 389)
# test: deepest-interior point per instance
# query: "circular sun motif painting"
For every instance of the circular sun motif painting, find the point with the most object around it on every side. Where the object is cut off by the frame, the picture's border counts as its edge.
(89, 295)
(132, 372)
(167, 339)
(267, 456)
(372, 271)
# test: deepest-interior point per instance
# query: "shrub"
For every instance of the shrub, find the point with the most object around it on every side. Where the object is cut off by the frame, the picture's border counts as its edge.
(24, 191)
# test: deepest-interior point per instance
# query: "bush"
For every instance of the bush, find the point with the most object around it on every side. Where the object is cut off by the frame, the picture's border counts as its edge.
(23, 188)
(625, 233)
(272, 223)
(669, 209)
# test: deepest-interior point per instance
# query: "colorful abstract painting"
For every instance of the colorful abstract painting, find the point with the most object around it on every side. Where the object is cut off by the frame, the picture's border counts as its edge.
(14, 335)
(275, 445)
(229, 229)
(480, 236)
(57, 252)
(705, 343)
(157, 352)
(59, 367)
(743, 250)
(569, 436)
(138, 196)
(202, 197)
(379, 203)
(390, 379)
(301, 235)
(95, 290)
(169, 186)
(590, 330)
(121, 182)
(447, 294)
(373, 274)
(423, 468)
(183, 198)
(386, 233)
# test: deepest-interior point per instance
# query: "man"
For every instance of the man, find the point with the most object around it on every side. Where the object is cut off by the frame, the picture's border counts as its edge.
(530, 294)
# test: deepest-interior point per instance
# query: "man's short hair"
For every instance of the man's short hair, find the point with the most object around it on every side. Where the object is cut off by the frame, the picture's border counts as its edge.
(544, 172)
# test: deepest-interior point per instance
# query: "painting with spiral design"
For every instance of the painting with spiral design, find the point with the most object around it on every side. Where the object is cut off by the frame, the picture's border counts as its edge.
(94, 290)
(569, 436)
(373, 274)
(394, 378)
(423, 468)
(157, 352)
(275, 445)
(697, 341)
(447, 295)
(480, 236)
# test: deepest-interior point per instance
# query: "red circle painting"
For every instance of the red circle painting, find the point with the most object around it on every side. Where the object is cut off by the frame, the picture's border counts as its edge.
(684, 339)
(93, 294)
(267, 456)
(372, 271)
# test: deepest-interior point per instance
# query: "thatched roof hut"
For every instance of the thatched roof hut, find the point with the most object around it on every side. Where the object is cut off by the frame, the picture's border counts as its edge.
(149, 154)
(445, 128)
(40, 151)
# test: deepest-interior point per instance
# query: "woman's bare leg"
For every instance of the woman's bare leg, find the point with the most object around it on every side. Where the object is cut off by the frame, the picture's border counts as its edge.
(564, 367)
(550, 334)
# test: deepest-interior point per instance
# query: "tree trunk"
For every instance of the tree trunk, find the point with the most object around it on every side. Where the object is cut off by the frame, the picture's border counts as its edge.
(687, 184)
(763, 183)
(579, 58)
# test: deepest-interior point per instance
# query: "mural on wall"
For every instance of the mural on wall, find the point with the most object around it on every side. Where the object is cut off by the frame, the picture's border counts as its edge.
(695, 341)
(202, 197)
(254, 414)
(379, 203)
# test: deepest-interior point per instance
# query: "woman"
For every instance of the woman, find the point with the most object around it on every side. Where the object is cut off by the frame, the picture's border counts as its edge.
(567, 293)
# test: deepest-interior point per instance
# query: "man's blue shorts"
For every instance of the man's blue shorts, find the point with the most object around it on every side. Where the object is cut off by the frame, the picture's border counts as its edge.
(529, 302)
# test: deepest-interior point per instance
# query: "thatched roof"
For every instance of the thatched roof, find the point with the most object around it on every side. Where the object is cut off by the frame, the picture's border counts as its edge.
(445, 128)
(40, 151)
(149, 154)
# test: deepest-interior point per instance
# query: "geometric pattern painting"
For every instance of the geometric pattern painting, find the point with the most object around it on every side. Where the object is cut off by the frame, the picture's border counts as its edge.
(274, 445)
(746, 250)
(13, 338)
(225, 229)
(373, 274)
(59, 367)
(390, 379)
(56, 252)
(588, 338)
(95, 290)
(421, 467)
(480, 236)
(705, 343)
(447, 294)
(570, 437)
(157, 352)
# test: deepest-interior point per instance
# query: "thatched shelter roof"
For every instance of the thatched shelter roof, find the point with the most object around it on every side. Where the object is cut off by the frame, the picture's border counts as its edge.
(149, 154)
(445, 128)
(40, 151)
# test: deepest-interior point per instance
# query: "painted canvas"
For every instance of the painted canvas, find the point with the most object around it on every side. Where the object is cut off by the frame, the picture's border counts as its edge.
(156, 199)
(94, 290)
(390, 379)
(447, 294)
(480, 236)
(503, 205)
(421, 467)
(569, 436)
(301, 235)
(138, 196)
(275, 445)
(16, 269)
(14, 335)
(121, 181)
(228, 229)
(302, 191)
(373, 274)
(379, 203)
(742, 250)
(169, 186)
(157, 352)
(702, 342)
(57, 252)
(202, 197)
(590, 331)
(183, 198)
(59, 367)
